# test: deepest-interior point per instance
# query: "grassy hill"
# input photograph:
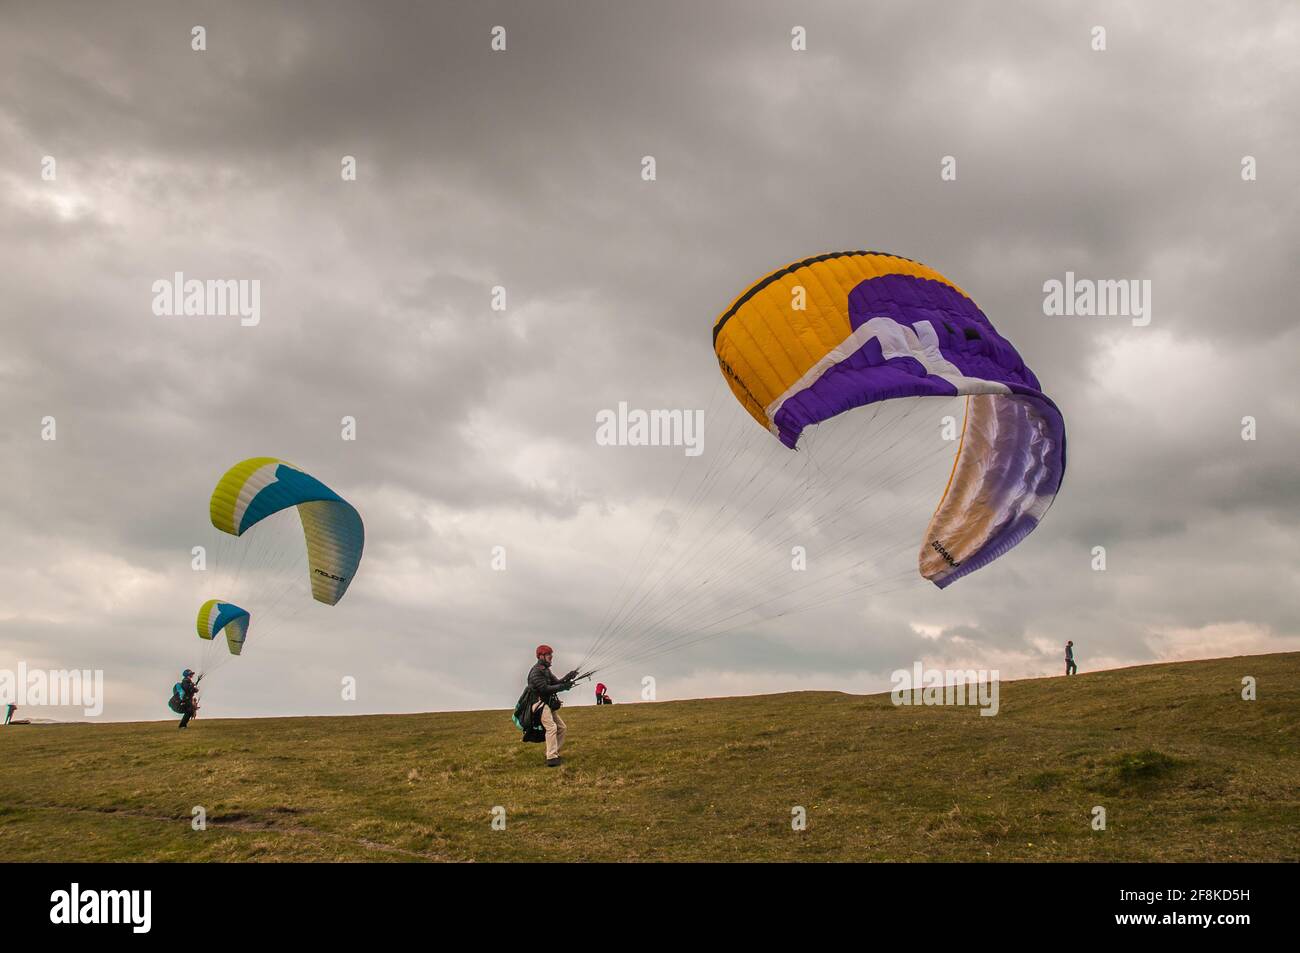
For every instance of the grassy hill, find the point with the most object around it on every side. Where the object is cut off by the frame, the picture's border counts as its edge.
(1185, 769)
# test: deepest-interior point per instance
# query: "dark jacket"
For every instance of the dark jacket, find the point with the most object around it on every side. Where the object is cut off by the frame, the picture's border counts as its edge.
(188, 690)
(545, 685)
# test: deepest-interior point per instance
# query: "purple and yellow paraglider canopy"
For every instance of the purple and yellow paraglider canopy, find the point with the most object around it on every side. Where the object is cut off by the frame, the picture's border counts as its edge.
(828, 334)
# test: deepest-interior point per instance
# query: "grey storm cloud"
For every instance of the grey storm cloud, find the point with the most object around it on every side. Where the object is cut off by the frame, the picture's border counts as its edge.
(522, 169)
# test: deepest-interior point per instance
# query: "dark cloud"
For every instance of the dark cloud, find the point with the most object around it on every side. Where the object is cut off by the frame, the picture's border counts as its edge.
(522, 169)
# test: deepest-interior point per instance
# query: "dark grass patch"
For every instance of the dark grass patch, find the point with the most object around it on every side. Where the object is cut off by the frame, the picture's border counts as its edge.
(1045, 780)
(1144, 768)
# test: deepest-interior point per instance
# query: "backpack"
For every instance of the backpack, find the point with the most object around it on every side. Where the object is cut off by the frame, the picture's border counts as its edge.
(174, 703)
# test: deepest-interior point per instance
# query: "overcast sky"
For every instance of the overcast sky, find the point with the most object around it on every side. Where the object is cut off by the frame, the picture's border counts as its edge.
(523, 169)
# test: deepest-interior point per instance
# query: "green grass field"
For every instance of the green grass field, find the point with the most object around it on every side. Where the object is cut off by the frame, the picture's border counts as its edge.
(1185, 769)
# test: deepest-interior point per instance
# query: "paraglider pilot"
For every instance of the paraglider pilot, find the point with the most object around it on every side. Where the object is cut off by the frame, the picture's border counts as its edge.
(602, 695)
(185, 697)
(547, 688)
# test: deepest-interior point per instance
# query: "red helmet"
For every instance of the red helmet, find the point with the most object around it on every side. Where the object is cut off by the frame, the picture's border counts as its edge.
(544, 650)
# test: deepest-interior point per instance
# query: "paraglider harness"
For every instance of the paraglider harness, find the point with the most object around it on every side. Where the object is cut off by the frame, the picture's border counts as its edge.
(181, 702)
(527, 715)
(526, 719)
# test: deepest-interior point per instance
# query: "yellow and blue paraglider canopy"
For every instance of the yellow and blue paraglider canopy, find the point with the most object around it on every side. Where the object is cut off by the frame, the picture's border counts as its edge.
(217, 616)
(260, 487)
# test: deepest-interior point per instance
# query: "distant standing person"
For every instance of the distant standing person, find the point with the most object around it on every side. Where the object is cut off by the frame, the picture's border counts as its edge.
(547, 688)
(9, 711)
(1070, 667)
(602, 695)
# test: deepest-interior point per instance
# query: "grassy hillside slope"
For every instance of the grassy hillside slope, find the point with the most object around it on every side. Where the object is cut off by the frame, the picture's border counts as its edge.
(1185, 769)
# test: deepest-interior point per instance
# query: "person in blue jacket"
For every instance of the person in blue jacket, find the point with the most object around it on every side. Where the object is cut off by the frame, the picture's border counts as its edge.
(185, 697)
